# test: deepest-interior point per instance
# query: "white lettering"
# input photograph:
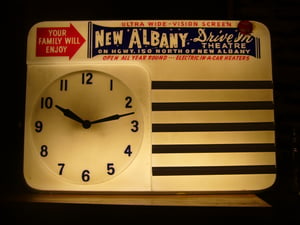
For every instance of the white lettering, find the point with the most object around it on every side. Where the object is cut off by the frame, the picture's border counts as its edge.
(59, 32)
(202, 37)
(56, 49)
(50, 41)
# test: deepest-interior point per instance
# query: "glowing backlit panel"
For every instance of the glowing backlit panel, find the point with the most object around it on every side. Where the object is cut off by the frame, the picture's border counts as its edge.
(212, 110)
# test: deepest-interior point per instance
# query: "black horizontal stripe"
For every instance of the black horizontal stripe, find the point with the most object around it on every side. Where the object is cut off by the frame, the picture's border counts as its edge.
(182, 106)
(194, 127)
(212, 85)
(213, 148)
(213, 170)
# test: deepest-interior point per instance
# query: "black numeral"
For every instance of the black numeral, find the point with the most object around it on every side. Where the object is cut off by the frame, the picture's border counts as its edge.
(44, 151)
(111, 85)
(63, 85)
(46, 102)
(135, 125)
(85, 176)
(110, 169)
(87, 78)
(38, 126)
(128, 150)
(62, 165)
(128, 100)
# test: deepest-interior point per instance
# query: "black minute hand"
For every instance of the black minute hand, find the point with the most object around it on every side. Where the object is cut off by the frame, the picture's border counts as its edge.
(113, 117)
(70, 114)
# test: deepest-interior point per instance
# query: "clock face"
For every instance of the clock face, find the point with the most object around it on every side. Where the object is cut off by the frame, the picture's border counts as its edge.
(85, 127)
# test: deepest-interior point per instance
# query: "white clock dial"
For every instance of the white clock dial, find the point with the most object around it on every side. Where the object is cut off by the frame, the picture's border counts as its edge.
(86, 127)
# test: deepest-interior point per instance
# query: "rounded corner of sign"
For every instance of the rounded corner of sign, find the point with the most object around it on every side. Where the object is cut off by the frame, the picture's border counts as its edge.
(28, 183)
(273, 182)
(32, 31)
(262, 25)
(270, 185)
(33, 26)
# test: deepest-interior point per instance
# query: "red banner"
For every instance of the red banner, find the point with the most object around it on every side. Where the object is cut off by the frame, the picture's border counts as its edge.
(58, 41)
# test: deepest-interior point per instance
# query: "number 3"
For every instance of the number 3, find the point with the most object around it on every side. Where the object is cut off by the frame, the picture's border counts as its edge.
(135, 124)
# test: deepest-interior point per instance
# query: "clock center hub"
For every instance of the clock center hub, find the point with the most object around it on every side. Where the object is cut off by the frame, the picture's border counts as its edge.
(86, 124)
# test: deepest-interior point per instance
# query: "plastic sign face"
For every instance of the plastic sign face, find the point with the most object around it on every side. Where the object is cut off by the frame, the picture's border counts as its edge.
(149, 106)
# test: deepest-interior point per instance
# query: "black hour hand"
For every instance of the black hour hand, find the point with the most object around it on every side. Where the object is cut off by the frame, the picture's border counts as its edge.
(70, 114)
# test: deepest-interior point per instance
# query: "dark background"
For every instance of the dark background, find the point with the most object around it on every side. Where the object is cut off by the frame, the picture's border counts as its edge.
(282, 19)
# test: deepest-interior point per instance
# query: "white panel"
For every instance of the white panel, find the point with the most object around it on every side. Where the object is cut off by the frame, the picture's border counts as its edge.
(211, 183)
(214, 159)
(213, 137)
(214, 116)
(212, 95)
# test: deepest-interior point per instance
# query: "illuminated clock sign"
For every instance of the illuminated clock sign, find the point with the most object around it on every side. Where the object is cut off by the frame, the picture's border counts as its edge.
(149, 106)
